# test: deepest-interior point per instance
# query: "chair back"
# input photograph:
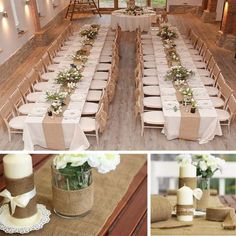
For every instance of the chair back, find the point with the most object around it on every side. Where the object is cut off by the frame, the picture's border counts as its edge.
(24, 88)
(232, 106)
(7, 112)
(101, 118)
(226, 91)
(33, 78)
(39, 67)
(46, 60)
(207, 57)
(17, 100)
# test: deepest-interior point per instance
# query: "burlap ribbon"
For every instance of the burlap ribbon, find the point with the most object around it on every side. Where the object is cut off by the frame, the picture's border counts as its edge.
(161, 208)
(204, 202)
(18, 187)
(184, 210)
(73, 203)
(222, 214)
(188, 181)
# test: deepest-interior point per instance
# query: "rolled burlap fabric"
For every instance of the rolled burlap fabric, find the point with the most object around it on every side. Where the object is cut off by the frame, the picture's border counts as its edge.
(161, 208)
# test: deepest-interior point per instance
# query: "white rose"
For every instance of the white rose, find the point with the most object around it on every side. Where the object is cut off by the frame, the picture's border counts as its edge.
(108, 163)
(60, 162)
(203, 165)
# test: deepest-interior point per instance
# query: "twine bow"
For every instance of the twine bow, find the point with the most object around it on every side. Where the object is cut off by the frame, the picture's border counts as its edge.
(17, 201)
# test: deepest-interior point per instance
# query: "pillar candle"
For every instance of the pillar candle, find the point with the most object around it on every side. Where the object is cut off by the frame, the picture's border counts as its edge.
(17, 166)
(187, 171)
(185, 200)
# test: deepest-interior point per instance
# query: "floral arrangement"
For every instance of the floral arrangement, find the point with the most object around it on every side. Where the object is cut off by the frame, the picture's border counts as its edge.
(89, 33)
(57, 101)
(186, 92)
(80, 58)
(169, 44)
(178, 72)
(75, 165)
(206, 165)
(55, 96)
(68, 76)
(166, 33)
(134, 11)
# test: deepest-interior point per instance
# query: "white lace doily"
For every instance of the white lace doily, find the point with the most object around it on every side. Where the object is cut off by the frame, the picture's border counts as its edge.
(10, 228)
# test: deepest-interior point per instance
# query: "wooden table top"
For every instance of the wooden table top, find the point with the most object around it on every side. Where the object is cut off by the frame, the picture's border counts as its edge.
(129, 217)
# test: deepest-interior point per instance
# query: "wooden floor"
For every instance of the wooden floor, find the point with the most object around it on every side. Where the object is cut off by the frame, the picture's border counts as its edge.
(123, 132)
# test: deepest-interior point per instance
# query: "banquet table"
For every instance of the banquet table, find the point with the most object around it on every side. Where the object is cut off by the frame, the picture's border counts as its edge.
(123, 209)
(130, 22)
(74, 138)
(200, 226)
(209, 125)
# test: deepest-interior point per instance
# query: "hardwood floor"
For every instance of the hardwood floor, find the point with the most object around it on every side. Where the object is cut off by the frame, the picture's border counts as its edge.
(123, 132)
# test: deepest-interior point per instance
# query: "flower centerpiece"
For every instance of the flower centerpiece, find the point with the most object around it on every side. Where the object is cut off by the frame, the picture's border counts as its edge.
(89, 33)
(193, 105)
(57, 101)
(69, 78)
(187, 94)
(178, 73)
(166, 33)
(134, 11)
(73, 183)
(206, 165)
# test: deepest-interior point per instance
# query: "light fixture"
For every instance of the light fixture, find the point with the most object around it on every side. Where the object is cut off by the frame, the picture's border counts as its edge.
(4, 13)
(224, 13)
(27, 2)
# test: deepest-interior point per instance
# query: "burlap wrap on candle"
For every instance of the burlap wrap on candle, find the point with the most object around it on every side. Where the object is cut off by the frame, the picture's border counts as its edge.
(184, 210)
(189, 182)
(20, 186)
(73, 203)
(161, 208)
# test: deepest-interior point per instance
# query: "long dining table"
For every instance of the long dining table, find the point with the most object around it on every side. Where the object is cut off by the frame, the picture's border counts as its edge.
(175, 126)
(68, 131)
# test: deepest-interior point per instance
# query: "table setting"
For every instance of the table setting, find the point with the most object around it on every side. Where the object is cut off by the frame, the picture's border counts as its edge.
(180, 82)
(191, 209)
(132, 18)
(64, 94)
(67, 194)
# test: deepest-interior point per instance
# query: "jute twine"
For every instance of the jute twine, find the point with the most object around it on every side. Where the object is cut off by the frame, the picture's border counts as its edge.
(217, 213)
(189, 182)
(161, 208)
(184, 210)
(20, 186)
(73, 203)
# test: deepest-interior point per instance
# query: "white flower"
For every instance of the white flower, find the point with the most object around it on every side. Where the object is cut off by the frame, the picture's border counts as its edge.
(60, 162)
(203, 165)
(108, 163)
(184, 159)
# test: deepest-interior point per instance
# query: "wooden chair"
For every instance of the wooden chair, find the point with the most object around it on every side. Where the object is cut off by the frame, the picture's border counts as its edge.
(33, 78)
(91, 126)
(215, 91)
(13, 123)
(227, 115)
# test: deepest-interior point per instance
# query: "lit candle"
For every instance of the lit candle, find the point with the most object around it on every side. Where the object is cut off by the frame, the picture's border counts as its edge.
(17, 166)
(187, 171)
(185, 204)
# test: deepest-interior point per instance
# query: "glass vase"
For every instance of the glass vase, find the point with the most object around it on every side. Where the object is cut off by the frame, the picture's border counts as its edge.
(73, 193)
(204, 202)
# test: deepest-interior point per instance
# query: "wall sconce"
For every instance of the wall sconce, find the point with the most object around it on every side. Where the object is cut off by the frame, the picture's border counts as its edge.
(4, 13)
(27, 2)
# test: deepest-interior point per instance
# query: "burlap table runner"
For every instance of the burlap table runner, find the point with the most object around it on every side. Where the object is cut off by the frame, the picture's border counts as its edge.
(53, 130)
(189, 122)
(109, 190)
(200, 226)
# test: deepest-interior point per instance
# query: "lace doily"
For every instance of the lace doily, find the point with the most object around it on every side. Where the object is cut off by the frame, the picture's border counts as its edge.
(9, 228)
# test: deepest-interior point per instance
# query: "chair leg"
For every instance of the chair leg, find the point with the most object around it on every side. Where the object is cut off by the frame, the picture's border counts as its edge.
(97, 137)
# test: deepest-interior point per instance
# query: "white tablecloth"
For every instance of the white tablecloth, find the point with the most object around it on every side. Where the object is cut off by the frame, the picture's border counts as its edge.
(74, 137)
(209, 122)
(131, 23)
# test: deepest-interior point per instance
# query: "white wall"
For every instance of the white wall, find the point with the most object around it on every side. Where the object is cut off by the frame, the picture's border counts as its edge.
(48, 12)
(184, 2)
(10, 40)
